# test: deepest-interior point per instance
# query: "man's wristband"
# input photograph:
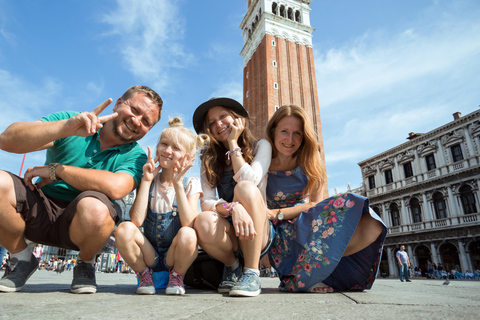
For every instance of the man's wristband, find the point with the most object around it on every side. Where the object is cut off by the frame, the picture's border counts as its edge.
(53, 168)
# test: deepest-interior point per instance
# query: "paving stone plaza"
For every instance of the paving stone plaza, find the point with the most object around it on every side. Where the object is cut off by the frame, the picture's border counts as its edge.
(47, 296)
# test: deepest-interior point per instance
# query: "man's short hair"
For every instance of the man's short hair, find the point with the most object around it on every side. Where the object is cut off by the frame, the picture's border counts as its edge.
(155, 97)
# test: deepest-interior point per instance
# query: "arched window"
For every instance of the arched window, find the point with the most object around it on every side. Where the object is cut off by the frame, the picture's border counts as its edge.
(439, 206)
(416, 210)
(298, 16)
(468, 200)
(290, 13)
(395, 214)
(282, 11)
(274, 8)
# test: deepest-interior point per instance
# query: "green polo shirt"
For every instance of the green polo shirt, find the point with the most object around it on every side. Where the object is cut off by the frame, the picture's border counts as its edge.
(84, 152)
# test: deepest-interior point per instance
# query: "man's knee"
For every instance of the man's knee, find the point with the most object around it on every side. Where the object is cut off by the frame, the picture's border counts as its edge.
(93, 210)
(7, 188)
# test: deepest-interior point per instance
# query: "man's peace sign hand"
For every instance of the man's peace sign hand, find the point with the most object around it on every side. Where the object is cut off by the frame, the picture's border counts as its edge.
(87, 123)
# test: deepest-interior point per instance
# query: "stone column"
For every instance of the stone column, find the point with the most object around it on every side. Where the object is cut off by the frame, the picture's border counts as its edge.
(386, 216)
(426, 208)
(462, 257)
(392, 263)
(417, 164)
(470, 266)
(434, 253)
(477, 195)
(441, 158)
(471, 149)
(397, 175)
(405, 213)
(411, 256)
(379, 181)
(453, 204)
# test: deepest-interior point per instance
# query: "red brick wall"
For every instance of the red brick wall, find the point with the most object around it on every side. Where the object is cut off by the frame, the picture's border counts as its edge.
(295, 75)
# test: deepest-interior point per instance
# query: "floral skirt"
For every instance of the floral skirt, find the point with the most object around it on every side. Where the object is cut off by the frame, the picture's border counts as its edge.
(309, 249)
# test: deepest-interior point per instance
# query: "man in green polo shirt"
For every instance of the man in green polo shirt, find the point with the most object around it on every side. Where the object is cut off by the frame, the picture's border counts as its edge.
(91, 160)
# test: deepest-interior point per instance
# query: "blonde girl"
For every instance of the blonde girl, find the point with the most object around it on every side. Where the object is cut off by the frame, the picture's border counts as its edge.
(167, 208)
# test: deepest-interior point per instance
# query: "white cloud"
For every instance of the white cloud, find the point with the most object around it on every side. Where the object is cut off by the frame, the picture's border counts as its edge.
(379, 62)
(150, 35)
(230, 89)
(375, 90)
(94, 89)
(24, 101)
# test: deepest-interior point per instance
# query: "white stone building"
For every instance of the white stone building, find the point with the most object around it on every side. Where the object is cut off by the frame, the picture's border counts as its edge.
(427, 192)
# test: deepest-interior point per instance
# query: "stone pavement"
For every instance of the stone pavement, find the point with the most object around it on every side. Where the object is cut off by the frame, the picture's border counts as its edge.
(47, 296)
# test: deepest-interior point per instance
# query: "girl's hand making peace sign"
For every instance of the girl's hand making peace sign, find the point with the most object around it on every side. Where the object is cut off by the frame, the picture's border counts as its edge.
(149, 169)
(182, 167)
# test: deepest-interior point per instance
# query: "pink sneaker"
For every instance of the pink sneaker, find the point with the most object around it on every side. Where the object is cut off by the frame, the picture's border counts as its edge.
(175, 283)
(145, 282)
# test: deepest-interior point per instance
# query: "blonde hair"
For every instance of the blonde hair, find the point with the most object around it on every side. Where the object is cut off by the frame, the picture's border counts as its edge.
(213, 157)
(308, 153)
(183, 136)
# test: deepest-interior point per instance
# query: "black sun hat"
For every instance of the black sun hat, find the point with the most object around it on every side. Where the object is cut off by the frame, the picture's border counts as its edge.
(201, 111)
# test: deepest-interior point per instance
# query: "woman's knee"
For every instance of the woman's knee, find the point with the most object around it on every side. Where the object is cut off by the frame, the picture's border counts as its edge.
(246, 192)
(205, 225)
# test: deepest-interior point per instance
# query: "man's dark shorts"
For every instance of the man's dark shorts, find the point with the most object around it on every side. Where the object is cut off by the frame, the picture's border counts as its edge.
(47, 220)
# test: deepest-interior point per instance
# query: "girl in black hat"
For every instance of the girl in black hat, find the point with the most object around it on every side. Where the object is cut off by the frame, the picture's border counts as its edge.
(234, 221)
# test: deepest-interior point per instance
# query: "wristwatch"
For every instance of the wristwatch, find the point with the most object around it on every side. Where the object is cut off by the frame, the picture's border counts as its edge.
(52, 170)
(280, 215)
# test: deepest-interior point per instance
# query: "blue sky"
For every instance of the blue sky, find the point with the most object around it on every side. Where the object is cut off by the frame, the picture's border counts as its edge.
(384, 68)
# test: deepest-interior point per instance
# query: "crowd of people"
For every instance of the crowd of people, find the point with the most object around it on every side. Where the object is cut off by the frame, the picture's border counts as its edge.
(437, 271)
(260, 197)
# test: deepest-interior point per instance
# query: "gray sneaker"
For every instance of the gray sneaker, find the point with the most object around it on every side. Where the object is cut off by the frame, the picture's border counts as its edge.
(229, 278)
(17, 274)
(248, 285)
(83, 278)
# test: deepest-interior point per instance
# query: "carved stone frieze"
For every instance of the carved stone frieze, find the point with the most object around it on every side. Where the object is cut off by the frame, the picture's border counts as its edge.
(452, 138)
(405, 157)
(426, 147)
(436, 236)
(371, 169)
(386, 164)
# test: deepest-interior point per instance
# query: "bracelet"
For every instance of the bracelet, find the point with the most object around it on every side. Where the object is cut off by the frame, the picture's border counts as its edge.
(53, 168)
(229, 207)
(228, 153)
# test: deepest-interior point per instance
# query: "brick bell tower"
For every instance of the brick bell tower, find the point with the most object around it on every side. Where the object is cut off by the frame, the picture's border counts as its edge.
(278, 67)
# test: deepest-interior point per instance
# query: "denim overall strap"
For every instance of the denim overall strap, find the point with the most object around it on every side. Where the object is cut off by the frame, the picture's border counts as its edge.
(160, 228)
(226, 186)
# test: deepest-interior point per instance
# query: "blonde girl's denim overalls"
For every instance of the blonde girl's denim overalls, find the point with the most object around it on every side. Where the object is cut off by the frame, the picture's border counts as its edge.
(160, 229)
